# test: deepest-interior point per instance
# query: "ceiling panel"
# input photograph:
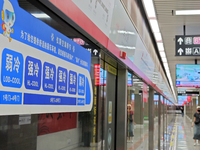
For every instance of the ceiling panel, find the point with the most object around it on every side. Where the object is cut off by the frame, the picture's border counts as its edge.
(171, 25)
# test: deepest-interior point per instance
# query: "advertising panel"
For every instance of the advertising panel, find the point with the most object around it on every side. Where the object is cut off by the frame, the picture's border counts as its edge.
(182, 99)
(188, 75)
(156, 97)
(41, 69)
(145, 93)
(129, 79)
(55, 122)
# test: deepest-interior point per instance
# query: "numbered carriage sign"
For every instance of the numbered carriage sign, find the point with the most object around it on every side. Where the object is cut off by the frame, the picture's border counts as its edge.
(42, 70)
(187, 45)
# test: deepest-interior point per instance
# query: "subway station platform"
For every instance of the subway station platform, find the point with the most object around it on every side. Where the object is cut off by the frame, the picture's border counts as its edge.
(178, 136)
(181, 135)
(185, 134)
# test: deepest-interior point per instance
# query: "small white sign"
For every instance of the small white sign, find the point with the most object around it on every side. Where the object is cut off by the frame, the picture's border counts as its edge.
(24, 119)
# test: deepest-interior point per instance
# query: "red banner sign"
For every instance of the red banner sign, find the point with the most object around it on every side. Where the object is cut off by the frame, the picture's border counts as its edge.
(189, 98)
(96, 74)
(145, 93)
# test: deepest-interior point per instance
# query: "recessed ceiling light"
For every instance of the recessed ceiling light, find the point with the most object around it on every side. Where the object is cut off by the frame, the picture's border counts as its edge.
(187, 12)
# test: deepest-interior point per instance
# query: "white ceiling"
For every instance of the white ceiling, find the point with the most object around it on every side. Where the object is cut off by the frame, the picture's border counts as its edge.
(171, 25)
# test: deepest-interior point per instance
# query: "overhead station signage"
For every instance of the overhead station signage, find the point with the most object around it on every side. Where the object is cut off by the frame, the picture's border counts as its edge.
(41, 69)
(187, 45)
(190, 93)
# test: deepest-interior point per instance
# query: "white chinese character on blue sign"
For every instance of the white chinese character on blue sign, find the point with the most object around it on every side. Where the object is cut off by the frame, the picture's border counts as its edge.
(9, 62)
(17, 64)
(30, 68)
(36, 69)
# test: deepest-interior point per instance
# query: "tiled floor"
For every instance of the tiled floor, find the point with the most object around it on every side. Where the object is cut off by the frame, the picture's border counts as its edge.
(185, 134)
(179, 135)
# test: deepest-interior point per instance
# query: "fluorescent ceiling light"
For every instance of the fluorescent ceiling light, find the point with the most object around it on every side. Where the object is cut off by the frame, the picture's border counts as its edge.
(148, 4)
(168, 73)
(126, 47)
(125, 32)
(162, 54)
(166, 68)
(187, 12)
(154, 25)
(136, 80)
(164, 59)
(158, 36)
(160, 46)
(41, 15)
(165, 64)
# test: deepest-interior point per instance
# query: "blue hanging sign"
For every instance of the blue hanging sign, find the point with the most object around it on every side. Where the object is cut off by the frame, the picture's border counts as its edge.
(41, 69)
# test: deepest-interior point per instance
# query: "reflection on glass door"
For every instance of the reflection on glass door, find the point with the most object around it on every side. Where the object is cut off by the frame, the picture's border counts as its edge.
(135, 113)
(108, 97)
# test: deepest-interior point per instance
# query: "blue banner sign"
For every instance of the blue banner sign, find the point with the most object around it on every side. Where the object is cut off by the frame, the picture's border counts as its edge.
(41, 68)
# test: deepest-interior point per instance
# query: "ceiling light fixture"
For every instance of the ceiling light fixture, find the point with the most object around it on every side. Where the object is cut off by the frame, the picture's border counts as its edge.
(158, 36)
(187, 12)
(164, 59)
(154, 25)
(150, 11)
(41, 15)
(162, 54)
(160, 46)
(126, 47)
(125, 32)
(149, 8)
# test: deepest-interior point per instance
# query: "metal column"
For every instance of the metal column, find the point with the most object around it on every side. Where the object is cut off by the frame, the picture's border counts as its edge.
(194, 106)
(151, 118)
(163, 105)
(159, 121)
(121, 112)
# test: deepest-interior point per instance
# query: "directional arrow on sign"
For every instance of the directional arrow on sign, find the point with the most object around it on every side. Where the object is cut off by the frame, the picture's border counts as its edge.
(180, 40)
(180, 51)
(95, 52)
